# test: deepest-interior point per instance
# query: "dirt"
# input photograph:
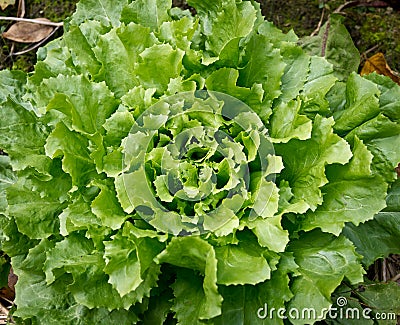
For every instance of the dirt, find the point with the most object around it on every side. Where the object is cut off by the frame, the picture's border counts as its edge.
(55, 11)
(373, 25)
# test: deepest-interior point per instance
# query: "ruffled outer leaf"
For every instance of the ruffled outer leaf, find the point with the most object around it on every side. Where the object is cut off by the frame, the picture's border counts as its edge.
(196, 254)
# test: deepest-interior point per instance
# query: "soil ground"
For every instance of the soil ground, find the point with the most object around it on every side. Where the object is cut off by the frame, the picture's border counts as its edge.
(373, 25)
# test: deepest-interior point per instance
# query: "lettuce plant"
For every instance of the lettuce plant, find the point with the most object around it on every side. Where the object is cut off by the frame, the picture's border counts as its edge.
(170, 167)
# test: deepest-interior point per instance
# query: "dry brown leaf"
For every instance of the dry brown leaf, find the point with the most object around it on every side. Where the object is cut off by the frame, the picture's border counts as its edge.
(377, 63)
(25, 32)
(5, 3)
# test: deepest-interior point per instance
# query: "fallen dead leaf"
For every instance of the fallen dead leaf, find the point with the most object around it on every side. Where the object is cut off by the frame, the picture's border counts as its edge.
(25, 32)
(5, 3)
(377, 63)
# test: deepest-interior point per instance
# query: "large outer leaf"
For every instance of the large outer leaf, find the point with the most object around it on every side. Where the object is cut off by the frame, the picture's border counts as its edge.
(107, 208)
(234, 260)
(253, 304)
(190, 297)
(352, 305)
(7, 178)
(78, 215)
(287, 123)
(86, 104)
(353, 194)
(379, 237)
(128, 258)
(324, 260)
(53, 60)
(362, 104)
(73, 147)
(305, 161)
(382, 298)
(82, 53)
(12, 84)
(147, 13)
(35, 204)
(90, 287)
(264, 65)
(319, 82)
(224, 20)
(376, 238)
(270, 233)
(108, 12)
(378, 120)
(55, 305)
(335, 44)
(389, 92)
(23, 137)
(196, 254)
(119, 53)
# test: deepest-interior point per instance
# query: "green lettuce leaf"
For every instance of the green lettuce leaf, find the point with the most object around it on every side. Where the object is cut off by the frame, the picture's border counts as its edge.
(196, 254)
(263, 64)
(319, 82)
(324, 260)
(87, 105)
(378, 238)
(335, 44)
(219, 26)
(353, 194)
(253, 304)
(128, 258)
(119, 54)
(105, 11)
(107, 208)
(146, 13)
(305, 170)
(55, 304)
(7, 178)
(23, 137)
(12, 84)
(234, 260)
(41, 200)
(287, 123)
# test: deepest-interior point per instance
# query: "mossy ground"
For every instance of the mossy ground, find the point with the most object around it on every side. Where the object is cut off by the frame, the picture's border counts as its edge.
(373, 29)
(54, 10)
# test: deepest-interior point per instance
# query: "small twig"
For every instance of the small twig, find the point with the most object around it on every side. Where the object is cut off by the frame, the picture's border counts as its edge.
(325, 38)
(20, 14)
(7, 300)
(395, 278)
(364, 54)
(12, 49)
(359, 3)
(346, 5)
(315, 32)
(21, 9)
(3, 310)
(34, 21)
(384, 270)
(37, 44)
